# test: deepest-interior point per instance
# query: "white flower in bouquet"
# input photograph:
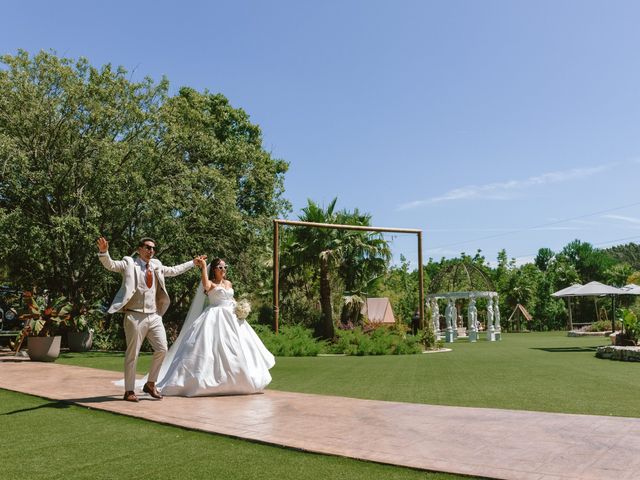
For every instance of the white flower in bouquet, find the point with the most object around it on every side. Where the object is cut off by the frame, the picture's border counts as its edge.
(243, 309)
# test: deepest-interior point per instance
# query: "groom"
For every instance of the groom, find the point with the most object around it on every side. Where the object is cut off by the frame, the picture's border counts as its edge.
(143, 299)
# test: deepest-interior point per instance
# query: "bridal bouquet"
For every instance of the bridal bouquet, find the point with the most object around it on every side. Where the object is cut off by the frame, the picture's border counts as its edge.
(243, 309)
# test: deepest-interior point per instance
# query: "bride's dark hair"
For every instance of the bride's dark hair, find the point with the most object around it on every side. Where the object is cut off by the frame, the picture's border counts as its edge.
(214, 263)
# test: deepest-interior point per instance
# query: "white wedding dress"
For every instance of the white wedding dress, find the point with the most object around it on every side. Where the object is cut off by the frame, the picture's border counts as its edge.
(216, 353)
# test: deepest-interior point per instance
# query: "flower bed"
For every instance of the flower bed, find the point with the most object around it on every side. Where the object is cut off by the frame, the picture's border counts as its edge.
(612, 352)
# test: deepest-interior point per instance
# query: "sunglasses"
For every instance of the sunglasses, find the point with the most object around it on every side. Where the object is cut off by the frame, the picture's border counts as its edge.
(149, 247)
(221, 267)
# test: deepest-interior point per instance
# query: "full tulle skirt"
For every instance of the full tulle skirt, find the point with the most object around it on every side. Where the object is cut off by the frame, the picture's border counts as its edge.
(221, 355)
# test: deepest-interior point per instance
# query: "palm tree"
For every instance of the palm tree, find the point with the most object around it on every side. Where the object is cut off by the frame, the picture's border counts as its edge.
(365, 257)
(354, 255)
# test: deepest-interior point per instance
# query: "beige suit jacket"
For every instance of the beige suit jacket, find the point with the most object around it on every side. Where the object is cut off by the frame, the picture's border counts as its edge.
(127, 267)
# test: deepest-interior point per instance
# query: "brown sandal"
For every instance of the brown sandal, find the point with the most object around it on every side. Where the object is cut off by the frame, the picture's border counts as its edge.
(130, 396)
(153, 391)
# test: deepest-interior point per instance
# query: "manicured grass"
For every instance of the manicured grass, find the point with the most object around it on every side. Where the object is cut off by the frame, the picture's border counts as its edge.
(537, 371)
(527, 371)
(54, 440)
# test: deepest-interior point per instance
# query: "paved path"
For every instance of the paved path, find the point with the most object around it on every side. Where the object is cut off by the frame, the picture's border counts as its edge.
(506, 444)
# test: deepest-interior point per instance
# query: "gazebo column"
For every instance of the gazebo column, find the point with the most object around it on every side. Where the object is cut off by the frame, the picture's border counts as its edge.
(435, 318)
(472, 321)
(456, 316)
(450, 315)
(491, 332)
(496, 319)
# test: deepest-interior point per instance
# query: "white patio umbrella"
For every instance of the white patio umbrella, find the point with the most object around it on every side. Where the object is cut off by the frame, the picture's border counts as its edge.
(565, 292)
(597, 289)
(631, 289)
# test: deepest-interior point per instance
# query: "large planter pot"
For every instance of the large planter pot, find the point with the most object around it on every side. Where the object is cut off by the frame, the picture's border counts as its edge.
(80, 341)
(623, 340)
(43, 349)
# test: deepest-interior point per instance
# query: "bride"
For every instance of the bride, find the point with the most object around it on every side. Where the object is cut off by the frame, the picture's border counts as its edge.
(216, 353)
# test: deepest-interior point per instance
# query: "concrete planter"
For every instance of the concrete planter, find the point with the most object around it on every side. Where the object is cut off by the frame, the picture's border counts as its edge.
(43, 349)
(80, 341)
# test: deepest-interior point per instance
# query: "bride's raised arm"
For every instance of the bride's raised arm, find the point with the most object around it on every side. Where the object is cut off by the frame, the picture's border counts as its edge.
(206, 283)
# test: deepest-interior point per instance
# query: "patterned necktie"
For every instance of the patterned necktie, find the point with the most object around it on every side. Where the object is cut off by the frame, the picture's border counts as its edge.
(149, 277)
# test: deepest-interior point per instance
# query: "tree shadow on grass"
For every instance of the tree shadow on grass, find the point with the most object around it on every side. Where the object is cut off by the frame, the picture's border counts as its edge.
(99, 354)
(62, 404)
(566, 349)
(91, 354)
(52, 405)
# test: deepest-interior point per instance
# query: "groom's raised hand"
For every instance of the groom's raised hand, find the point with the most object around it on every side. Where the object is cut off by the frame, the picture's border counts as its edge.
(103, 245)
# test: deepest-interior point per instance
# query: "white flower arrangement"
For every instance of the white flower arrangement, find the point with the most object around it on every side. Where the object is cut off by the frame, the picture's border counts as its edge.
(243, 309)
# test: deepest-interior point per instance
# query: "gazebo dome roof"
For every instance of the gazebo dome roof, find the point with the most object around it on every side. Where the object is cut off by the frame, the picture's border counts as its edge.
(461, 276)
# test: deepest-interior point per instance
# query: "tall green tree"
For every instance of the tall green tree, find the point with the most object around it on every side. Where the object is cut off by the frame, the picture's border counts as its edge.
(364, 256)
(227, 188)
(628, 253)
(589, 262)
(69, 136)
(88, 152)
(544, 258)
(400, 285)
(522, 287)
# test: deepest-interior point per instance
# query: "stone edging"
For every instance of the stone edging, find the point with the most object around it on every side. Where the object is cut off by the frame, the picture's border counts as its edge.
(578, 333)
(612, 352)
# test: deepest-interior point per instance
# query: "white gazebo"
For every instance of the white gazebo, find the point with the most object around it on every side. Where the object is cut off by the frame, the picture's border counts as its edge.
(493, 328)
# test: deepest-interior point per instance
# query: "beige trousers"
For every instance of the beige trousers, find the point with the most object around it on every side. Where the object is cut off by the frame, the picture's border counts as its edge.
(137, 327)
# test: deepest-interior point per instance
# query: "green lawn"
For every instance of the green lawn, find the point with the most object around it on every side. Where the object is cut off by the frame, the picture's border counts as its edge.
(528, 371)
(536, 371)
(53, 440)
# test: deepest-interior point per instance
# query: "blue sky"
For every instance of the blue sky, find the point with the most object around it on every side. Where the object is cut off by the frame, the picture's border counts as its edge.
(487, 124)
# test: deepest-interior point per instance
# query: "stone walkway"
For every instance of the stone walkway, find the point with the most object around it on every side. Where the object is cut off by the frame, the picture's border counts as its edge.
(505, 444)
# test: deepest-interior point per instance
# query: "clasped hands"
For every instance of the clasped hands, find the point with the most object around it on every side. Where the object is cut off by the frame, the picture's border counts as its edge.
(200, 261)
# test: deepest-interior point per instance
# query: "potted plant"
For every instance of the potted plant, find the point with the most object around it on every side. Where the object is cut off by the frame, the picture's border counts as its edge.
(631, 328)
(80, 334)
(44, 318)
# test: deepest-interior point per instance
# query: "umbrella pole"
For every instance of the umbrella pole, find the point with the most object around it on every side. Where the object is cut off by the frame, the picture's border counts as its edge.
(613, 313)
(570, 318)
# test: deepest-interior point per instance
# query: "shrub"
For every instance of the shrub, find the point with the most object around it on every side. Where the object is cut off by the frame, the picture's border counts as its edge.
(631, 324)
(379, 341)
(428, 336)
(109, 334)
(603, 326)
(291, 341)
(298, 341)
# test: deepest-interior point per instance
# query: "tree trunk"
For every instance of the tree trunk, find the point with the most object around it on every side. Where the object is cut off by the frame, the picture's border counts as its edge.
(327, 331)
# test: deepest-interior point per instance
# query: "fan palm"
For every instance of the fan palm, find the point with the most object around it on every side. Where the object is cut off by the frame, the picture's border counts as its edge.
(356, 256)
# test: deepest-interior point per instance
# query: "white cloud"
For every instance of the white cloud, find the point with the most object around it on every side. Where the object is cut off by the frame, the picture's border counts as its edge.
(623, 218)
(586, 223)
(551, 229)
(506, 190)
